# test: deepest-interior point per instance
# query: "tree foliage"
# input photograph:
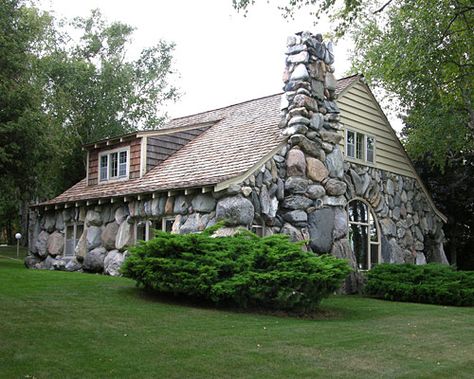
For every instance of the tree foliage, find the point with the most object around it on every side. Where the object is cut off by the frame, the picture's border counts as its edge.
(63, 84)
(453, 194)
(423, 55)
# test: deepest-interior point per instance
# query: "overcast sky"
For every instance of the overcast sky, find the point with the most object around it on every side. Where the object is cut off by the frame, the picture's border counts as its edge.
(222, 57)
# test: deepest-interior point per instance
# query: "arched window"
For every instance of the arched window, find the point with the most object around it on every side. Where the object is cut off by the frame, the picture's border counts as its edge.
(364, 235)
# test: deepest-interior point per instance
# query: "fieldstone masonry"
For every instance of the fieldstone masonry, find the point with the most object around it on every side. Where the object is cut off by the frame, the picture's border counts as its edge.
(301, 191)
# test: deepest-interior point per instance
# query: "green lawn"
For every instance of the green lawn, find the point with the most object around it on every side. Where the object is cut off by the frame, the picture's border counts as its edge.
(60, 325)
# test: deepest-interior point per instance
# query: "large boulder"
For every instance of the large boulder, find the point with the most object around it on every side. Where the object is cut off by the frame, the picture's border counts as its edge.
(108, 213)
(93, 237)
(296, 185)
(180, 205)
(340, 223)
(295, 163)
(59, 221)
(355, 280)
(335, 163)
(296, 202)
(94, 260)
(192, 224)
(236, 210)
(204, 203)
(73, 265)
(335, 187)
(124, 235)
(158, 206)
(31, 261)
(55, 244)
(321, 226)
(391, 251)
(93, 218)
(296, 217)
(42, 243)
(109, 235)
(48, 263)
(49, 222)
(121, 214)
(294, 234)
(112, 263)
(81, 248)
(317, 171)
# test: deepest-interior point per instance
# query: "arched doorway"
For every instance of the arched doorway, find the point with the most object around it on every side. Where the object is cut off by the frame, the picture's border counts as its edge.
(363, 234)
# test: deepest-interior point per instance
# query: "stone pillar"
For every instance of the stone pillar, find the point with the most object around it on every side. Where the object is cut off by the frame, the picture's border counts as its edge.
(314, 203)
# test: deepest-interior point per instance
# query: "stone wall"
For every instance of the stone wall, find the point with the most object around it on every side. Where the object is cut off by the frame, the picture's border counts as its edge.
(301, 191)
(411, 231)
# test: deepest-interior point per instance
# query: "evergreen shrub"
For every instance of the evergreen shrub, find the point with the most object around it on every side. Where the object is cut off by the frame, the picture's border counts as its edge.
(243, 270)
(432, 283)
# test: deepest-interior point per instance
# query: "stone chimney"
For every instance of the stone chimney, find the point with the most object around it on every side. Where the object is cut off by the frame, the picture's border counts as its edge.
(314, 186)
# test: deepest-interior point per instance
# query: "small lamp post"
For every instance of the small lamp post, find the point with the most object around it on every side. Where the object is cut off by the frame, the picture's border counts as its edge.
(18, 238)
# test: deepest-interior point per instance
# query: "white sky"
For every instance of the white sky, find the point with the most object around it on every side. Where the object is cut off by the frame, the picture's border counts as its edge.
(222, 57)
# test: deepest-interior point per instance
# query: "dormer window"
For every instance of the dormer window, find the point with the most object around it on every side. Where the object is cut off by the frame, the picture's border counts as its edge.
(360, 146)
(114, 164)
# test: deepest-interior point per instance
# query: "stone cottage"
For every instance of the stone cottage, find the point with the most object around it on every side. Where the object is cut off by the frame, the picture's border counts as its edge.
(319, 162)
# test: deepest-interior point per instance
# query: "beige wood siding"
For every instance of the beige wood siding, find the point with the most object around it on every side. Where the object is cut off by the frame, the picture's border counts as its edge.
(360, 112)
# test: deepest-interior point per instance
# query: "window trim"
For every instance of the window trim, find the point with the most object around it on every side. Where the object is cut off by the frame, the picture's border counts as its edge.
(108, 153)
(148, 223)
(378, 243)
(364, 147)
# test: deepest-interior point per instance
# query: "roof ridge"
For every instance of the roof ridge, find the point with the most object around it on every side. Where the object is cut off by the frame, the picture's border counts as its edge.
(245, 101)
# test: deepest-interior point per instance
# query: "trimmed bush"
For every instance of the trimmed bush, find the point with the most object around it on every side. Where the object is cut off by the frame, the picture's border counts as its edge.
(243, 270)
(431, 283)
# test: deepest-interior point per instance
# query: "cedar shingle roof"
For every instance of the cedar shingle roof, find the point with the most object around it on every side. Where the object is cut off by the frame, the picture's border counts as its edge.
(242, 134)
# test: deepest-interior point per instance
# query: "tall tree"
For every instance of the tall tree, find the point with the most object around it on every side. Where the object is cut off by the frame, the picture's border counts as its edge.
(423, 53)
(57, 93)
(27, 137)
(96, 91)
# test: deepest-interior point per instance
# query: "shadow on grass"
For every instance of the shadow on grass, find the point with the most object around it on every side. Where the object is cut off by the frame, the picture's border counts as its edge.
(335, 308)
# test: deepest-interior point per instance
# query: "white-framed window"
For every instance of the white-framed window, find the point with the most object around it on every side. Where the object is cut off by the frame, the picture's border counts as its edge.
(363, 234)
(360, 146)
(167, 224)
(114, 164)
(370, 149)
(71, 237)
(144, 229)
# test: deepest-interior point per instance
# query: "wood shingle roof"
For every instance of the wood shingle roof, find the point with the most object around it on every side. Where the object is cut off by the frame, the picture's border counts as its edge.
(240, 135)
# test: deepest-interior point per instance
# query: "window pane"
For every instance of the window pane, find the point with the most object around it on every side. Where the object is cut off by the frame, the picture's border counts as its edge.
(374, 254)
(357, 211)
(141, 232)
(113, 165)
(350, 151)
(123, 163)
(374, 237)
(370, 149)
(155, 225)
(103, 167)
(359, 146)
(350, 144)
(359, 243)
(168, 225)
(350, 137)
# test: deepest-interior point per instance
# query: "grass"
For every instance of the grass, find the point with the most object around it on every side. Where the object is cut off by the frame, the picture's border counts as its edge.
(72, 325)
